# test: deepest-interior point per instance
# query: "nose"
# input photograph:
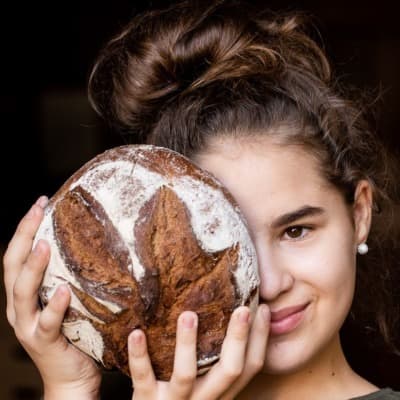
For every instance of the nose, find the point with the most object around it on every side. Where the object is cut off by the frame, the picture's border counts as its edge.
(275, 275)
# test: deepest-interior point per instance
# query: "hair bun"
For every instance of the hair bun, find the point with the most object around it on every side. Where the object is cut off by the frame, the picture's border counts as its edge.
(162, 56)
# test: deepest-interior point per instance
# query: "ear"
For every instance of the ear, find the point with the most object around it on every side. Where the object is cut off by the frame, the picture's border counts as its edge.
(362, 210)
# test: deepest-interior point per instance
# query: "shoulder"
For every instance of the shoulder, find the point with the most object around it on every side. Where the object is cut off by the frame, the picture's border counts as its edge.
(382, 394)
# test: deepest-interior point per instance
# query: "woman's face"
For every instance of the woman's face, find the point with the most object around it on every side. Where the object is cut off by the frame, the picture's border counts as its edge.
(305, 241)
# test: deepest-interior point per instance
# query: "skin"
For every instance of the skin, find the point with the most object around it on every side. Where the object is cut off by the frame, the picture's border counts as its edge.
(310, 260)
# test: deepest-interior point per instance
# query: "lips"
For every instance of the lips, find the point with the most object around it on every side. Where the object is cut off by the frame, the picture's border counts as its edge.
(287, 319)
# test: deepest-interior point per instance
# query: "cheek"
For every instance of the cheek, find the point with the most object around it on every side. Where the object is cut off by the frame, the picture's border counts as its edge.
(329, 264)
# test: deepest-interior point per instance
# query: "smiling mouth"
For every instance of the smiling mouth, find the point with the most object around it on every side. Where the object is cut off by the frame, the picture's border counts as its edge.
(287, 319)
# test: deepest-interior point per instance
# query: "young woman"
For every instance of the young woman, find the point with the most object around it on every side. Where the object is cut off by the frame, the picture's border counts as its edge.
(250, 97)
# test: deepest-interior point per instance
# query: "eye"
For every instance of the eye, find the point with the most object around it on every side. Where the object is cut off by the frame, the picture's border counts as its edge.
(296, 232)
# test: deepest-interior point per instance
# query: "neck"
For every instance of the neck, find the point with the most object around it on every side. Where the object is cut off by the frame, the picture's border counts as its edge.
(327, 376)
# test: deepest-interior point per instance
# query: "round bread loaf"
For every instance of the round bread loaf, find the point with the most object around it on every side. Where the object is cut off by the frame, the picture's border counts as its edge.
(141, 234)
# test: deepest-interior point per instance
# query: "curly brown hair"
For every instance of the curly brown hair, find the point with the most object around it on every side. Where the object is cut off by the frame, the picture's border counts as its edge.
(178, 76)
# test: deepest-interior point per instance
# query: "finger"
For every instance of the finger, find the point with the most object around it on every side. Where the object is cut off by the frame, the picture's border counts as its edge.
(25, 293)
(21, 244)
(234, 346)
(185, 363)
(231, 363)
(258, 340)
(51, 318)
(255, 354)
(143, 379)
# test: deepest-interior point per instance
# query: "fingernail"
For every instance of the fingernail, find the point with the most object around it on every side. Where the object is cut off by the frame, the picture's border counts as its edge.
(62, 290)
(244, 315)
(137, 336)
(42, 201)
(188, 320)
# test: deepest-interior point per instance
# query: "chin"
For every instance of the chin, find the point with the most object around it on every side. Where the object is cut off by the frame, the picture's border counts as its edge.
(284, 367)
(288, 354)
(285, 358)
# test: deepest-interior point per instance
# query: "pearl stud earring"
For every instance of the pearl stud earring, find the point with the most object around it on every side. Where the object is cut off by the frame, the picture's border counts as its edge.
(362, 248)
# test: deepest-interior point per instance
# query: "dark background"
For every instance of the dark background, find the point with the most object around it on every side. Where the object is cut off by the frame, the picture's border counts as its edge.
(48, 129)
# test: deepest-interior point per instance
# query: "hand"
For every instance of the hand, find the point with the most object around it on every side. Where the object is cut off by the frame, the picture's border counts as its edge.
(242, 356)
(66, 371)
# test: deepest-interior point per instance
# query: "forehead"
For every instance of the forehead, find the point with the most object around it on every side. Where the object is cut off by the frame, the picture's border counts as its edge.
(266, 177)
(261, 158)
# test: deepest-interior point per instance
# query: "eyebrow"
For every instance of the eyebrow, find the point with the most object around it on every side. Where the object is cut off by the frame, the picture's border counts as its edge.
(305, 211)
